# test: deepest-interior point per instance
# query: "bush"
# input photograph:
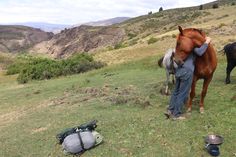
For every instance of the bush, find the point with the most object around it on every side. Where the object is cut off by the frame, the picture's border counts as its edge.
(17, 66)
(109, 48)
(201, 7)
(214, 6)
(222, 25)
(173, 36)
(119, 45)
(152, 40)
(14, 68)
(233, 3)
(131, 35)
(43, 68)
(160, 9)
(196, 14)
(133, 42)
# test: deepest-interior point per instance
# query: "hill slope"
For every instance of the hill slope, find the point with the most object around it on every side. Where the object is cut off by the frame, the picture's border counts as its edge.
(47, 27)
(18, 38)
(108, 22)
(126, 101)
(79, 39)
(220, 24)
(136, 31)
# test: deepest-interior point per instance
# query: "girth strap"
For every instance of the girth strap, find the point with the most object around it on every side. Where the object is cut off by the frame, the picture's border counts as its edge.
(81, 142)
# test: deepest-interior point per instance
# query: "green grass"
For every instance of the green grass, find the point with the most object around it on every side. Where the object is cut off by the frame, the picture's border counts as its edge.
(32, 114)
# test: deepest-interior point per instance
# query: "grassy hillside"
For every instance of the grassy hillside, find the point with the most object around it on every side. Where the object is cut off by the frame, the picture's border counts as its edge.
(126, 101)
(15, 39)
(125, 96)
(220, 24)
(138, 31)
(5, 60)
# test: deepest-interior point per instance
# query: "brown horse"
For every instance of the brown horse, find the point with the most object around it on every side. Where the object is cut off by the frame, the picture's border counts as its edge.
(205, 65)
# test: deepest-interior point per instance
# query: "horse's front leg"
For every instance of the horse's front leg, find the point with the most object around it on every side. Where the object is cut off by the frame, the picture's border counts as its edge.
(167, 82)
(192, 94)
(173, 78)
(204, 91)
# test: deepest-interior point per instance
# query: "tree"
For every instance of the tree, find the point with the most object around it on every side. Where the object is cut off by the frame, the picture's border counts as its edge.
(201, 7)
(160, 9)
(214, 6)
(150, 13)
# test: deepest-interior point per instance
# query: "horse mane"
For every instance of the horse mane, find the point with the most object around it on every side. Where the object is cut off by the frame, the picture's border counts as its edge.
(194, 33)
(198, 31)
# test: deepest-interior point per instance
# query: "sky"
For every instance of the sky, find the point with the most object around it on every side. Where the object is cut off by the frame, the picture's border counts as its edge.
(81, 11)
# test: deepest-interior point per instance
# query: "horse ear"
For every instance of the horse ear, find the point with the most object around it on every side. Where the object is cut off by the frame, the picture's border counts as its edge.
(180, 30)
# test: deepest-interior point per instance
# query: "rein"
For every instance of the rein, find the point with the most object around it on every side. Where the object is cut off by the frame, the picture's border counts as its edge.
(172, 68)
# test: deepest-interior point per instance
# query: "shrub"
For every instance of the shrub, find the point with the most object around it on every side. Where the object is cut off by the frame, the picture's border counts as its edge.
(233, 3)
(43, 68)
(160, 9)
(222, 25)
(109, 48)
(131, 35)
(150, 13)
(215, 6)
(18, 65)
(14, 68)
(152, 40)
(196, 14)
(133, 42)
(119, 45)
(201, 7)
(173, 36)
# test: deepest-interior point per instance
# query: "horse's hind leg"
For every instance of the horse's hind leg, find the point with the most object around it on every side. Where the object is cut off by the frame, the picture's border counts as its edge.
(192, 94)
(204, 91)
(228, 71)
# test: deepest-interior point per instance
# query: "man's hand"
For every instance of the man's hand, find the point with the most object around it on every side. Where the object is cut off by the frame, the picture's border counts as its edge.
(208, 40)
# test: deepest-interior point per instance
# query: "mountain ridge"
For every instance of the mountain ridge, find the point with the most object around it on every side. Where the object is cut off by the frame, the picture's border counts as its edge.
(15, 38)
(135, 31)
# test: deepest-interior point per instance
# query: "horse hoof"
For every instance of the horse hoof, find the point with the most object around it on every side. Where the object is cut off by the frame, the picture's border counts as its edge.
(189, 110)
(167, 93)
(201, 110)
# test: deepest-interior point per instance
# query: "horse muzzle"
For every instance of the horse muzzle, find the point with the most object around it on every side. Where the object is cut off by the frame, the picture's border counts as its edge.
(178, 61)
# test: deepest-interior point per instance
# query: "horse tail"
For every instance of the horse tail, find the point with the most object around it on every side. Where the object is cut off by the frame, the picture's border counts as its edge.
(222, 51)
(160, 61)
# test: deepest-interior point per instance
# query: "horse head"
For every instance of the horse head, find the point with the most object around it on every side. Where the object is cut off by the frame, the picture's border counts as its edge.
(187, 40)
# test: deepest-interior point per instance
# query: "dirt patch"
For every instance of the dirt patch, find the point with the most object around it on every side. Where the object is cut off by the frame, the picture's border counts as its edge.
(160, 88)
(18, 86)
(13, 116)
(107, 93)
(81, 96)
(10, 117)
(37, 130)
(233, 98)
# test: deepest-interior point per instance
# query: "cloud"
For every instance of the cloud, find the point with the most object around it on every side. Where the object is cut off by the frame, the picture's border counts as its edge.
(81, 11)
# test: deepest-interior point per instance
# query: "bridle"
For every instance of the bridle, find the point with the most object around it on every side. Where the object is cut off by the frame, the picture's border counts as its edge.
(192, 40)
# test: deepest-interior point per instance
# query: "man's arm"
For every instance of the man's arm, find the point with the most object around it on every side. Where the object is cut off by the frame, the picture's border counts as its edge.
(200, 51)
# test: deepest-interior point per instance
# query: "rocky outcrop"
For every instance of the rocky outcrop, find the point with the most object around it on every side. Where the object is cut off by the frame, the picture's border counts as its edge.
(80, 39)
(14, 39)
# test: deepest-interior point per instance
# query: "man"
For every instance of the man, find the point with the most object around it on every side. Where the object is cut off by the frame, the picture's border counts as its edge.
(184, 75)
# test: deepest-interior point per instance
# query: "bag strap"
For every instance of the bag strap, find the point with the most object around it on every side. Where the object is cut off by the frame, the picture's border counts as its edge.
(81, 143)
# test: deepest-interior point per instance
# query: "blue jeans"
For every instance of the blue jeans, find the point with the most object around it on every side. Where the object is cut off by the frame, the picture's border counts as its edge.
(180, 94)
